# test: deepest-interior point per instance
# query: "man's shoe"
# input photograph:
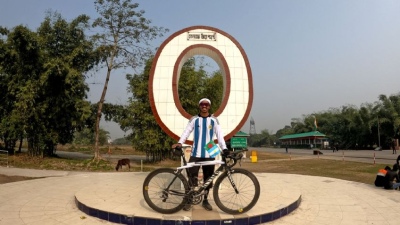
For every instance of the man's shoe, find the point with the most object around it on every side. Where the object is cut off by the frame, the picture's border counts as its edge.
(187, 207)
(207, 205)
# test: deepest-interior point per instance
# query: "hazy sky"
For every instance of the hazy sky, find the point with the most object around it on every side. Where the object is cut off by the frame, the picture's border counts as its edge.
(305, 56)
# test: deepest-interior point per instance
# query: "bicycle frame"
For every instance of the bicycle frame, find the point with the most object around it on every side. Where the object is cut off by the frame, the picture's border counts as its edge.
(223, 167)
(169, 190)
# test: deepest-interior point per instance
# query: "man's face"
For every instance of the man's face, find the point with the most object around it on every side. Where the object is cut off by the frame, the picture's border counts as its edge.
(204, 106)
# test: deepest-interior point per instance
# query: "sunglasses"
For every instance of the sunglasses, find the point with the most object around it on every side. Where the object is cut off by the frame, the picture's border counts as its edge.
(204, 104)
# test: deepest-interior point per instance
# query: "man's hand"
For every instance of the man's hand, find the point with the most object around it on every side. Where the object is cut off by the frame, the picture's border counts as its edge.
(176, 145)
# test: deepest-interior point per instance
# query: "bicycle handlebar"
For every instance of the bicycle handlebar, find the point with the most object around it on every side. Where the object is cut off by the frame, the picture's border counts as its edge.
(233, 155)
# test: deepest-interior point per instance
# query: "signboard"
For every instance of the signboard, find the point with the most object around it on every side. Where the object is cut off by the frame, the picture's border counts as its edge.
(238, 142)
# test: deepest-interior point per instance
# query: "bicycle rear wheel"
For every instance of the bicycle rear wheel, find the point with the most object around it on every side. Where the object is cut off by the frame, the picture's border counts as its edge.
(228, 200)
(157, 196)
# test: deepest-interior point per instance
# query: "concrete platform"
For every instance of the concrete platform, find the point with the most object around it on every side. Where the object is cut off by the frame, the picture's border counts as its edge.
(327, 201)
(118, 198)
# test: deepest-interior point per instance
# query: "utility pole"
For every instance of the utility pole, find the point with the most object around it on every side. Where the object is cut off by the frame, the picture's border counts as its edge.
(252, 126)
(379, 135)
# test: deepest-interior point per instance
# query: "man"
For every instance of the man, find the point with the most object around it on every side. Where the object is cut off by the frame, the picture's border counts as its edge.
(398, 160)
(380, 177)
(204, 126)
(390, 176)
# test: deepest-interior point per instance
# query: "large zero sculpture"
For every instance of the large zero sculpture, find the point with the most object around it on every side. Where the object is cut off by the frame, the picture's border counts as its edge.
(165, 71)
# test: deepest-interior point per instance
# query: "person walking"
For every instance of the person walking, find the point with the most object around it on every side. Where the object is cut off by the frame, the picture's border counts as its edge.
(394, 146)
(205, 126)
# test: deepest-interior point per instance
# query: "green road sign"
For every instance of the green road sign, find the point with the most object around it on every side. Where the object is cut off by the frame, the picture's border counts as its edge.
(238, 142)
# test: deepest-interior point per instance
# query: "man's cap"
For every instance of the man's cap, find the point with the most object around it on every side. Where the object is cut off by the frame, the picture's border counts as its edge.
(205, 99)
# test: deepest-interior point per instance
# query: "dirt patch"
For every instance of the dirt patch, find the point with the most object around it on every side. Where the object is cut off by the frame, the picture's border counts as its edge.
(8, 179)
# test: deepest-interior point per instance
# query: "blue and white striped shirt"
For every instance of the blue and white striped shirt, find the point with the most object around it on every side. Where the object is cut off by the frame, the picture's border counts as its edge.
(204, 129)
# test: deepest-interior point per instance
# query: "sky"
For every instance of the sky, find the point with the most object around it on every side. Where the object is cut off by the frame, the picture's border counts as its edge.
(306, 56)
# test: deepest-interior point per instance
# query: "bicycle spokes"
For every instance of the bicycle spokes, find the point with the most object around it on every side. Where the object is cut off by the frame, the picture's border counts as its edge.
(232, 182)
(236, 192)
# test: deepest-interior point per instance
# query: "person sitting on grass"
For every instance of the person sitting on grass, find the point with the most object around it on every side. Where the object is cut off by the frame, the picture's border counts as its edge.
(380, 177)
(389, 178)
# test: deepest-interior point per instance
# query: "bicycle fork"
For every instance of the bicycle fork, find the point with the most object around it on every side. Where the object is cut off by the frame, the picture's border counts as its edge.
(232, 182)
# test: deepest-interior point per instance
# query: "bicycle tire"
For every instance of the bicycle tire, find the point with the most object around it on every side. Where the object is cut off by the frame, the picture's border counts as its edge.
(234, 203)
(154, 185)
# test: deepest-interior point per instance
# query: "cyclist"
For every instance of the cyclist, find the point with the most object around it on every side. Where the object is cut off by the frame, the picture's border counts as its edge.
(205, 126)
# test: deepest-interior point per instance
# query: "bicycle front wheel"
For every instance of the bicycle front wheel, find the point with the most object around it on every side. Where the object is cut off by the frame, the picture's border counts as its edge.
(236, 202)
(164, 191)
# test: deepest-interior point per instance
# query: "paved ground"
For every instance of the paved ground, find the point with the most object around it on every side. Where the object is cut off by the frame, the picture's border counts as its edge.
(324, 200)
(50, 200)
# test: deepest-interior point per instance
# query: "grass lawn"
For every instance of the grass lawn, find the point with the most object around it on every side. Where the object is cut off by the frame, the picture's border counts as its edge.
(267, 162)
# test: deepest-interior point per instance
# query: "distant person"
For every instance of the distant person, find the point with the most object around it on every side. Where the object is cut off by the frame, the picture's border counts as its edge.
(390, 176)
(335, 147)
(394, 146)
(380, 177)
(286, 149)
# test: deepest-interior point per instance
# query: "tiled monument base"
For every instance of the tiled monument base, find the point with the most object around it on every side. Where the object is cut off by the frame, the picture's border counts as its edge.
(118, 198)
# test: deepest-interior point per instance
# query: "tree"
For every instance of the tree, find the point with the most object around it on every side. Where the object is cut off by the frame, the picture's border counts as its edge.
(46, 90)
(69, 55)
(195, 84)
(20, 63)
(365, 135)
(388, 117)
(284, 131)
(298, 126)
(146, 135)
(214, 90)
(190, 86)
(87, 137)
(123, 42)
(121, 141)
(12, 71)
(263, 139)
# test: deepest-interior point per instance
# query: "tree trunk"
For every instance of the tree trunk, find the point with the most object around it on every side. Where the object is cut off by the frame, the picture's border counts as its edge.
(20, 144)
(98, 117)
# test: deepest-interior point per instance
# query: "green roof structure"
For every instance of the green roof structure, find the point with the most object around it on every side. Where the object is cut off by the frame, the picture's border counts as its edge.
(312, 134)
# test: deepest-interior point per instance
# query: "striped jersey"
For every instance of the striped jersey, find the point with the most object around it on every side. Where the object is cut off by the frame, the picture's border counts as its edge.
(204, 129)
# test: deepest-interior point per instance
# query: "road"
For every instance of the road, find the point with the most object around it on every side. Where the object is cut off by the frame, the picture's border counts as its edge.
(79, 155)
(381, 157)
(366, 156)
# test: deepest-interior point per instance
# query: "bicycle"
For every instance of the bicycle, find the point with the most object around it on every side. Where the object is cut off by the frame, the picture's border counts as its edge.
(235, 191)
